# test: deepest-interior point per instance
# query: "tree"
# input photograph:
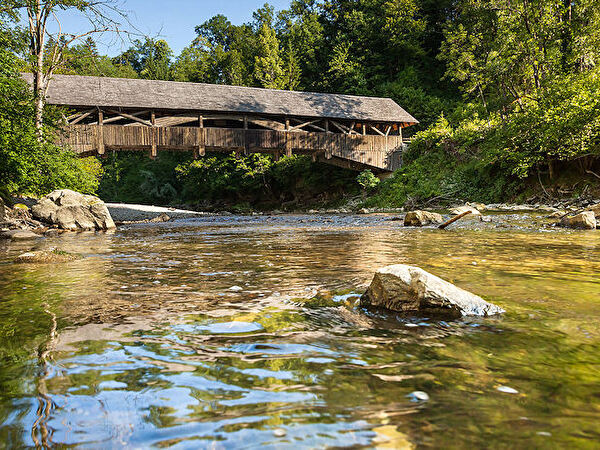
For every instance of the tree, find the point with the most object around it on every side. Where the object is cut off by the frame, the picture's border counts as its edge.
(47, 49)
(150, 58)
(268, 66)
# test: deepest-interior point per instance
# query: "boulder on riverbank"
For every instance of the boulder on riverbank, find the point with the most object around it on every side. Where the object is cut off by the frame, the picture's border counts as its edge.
(421, 218)
(582, 221)
(73, 211)
(405, 288)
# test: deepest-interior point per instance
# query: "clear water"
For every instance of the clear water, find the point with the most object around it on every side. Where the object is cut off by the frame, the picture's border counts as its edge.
(148, 340)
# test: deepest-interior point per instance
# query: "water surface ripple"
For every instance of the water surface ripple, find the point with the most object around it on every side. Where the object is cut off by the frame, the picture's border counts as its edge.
(198, 333)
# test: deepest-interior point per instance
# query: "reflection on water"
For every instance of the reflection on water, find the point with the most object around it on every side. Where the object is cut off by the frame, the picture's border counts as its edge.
(194, 334)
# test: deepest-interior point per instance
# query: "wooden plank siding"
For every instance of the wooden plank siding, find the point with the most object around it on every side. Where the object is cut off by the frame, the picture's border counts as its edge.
(374, 151)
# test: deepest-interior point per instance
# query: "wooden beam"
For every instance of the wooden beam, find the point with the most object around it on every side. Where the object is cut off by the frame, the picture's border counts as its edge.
(201, 147)
(100, 143)
(343, 128)
(154, 150)
(364, 129)
(131, 117)
(387, 131)
(117, 118)
(351, 128)
(316, 127)
(288, 145)
(376, 130)
(80, 113)
(82, 116)
(302, 125)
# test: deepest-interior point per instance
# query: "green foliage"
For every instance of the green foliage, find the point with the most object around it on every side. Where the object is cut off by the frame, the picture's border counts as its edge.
(26, 165)
(268, 66)
(135, 178)
(526, 71)
(367, 180)
(150, 59)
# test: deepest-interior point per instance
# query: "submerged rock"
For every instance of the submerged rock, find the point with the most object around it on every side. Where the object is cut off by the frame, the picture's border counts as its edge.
(73, 211)
(405, 288)
(421, 218)
(162, 217)
(582, 221)
(45, 256)
(19, 235)
(463, 209)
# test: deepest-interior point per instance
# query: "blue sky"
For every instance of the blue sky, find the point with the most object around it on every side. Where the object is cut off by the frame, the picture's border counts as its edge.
(172, 20)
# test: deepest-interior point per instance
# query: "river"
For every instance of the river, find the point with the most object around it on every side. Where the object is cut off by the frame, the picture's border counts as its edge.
(201, 333)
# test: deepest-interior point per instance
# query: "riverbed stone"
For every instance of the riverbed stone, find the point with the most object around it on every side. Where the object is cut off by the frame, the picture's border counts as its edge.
(478, 206)
(410, 289)
(73, 211)
(582, 221)
(421, 218)
(19, 235)
(44, 256)
(463, 209)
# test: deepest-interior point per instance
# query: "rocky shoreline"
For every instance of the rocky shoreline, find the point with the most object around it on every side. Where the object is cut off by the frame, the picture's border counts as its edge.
(64, 210)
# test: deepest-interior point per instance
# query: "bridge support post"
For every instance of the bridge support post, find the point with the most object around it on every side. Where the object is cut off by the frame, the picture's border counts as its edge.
(100, 135)
(154, 137)
(288, 141)
(200, 149)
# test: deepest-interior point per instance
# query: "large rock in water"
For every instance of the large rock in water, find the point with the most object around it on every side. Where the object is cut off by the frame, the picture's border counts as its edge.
(582, 221)
(71, 210)
(404, 288)
(464, 209)
(420, 218)
(596, 210)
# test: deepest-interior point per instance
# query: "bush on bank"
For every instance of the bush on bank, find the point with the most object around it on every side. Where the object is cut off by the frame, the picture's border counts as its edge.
(26, 165)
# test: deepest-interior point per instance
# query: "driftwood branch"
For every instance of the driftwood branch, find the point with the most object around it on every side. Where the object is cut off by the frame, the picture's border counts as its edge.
(592, 173)
(454, 219)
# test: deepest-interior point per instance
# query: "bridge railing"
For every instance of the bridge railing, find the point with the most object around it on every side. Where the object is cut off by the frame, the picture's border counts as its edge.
(371, 150)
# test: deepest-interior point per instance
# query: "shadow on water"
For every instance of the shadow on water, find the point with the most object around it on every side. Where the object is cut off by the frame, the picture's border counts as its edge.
(199, 333)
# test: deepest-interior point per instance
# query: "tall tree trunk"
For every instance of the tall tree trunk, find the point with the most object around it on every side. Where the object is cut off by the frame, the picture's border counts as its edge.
(39, 91)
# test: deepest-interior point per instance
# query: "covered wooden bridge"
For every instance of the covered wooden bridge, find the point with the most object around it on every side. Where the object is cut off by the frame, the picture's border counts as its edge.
(126, 114)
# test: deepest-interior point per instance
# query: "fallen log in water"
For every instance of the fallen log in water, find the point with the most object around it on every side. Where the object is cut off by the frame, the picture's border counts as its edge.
(454, 219)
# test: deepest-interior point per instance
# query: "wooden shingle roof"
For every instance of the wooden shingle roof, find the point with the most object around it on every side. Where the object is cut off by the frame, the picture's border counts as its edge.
(84, 91)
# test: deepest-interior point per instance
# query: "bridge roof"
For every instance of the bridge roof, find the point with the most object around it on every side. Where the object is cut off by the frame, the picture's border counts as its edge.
(84, 91)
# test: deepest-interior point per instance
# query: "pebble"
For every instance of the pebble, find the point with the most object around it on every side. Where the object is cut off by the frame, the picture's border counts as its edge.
(507, 390)
(235, 289)
(544, 433)
(279, 432)
(418, 396)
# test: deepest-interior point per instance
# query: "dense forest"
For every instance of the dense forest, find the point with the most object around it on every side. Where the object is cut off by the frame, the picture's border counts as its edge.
(507, 93)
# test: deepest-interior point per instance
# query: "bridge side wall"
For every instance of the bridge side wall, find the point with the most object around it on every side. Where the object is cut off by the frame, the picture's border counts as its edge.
(380, 152)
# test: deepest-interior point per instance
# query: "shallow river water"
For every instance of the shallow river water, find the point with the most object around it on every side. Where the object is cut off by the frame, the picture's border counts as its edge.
(202, 334)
